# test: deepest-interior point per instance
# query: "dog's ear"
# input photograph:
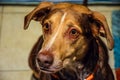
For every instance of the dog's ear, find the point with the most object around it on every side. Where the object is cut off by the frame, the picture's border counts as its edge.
(103, 29)
(38, 13)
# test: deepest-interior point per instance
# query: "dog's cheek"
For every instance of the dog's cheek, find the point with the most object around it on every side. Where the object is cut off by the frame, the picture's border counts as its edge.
(66, 62)
(81, 52)
(81, 47)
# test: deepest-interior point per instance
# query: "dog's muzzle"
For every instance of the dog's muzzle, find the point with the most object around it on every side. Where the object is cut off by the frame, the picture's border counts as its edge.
(46, 63)
(44, 60)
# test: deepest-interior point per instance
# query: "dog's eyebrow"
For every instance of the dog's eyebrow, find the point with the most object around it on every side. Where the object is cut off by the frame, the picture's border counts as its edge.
(51, 41)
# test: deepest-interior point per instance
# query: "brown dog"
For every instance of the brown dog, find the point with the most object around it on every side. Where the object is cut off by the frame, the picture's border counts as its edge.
(70, 48)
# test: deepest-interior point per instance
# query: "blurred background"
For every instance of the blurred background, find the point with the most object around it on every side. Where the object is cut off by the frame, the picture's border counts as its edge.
(16, 43)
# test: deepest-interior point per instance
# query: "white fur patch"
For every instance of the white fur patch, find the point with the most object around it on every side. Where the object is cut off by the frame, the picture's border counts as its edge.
(51, 41)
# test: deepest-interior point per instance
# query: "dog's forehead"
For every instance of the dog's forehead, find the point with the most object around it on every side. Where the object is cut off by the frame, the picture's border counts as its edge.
(78, 8)
(56, 15)
(73, 11)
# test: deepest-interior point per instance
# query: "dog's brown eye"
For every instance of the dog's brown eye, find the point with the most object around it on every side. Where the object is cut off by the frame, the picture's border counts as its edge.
(74, 33)
(46, 27)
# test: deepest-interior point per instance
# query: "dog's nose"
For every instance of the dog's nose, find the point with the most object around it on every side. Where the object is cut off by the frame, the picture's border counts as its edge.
(45, 59)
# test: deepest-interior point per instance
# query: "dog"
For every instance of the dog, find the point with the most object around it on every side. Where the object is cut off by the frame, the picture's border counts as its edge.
(71, 47)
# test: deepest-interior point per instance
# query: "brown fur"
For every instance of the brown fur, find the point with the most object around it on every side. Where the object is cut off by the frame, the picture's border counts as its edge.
(70, 48)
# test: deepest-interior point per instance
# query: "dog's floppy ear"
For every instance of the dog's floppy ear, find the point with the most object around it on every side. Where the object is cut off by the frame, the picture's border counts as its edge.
(38, 13)
(104, 28)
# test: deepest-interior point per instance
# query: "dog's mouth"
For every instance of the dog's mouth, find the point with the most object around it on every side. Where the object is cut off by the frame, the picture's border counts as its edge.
(50, 69)
(55, 67)
(45, 70)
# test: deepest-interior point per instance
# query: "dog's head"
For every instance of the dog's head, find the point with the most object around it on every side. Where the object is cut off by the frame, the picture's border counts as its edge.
(67, 33)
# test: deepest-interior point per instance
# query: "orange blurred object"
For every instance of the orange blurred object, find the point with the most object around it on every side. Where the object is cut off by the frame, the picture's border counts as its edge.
(118, 73)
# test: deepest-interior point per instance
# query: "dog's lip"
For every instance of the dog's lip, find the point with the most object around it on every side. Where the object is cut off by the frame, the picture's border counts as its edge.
(51, 69)
(46, 70)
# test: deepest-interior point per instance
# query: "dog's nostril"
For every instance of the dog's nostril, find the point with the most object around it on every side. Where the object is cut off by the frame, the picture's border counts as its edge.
(47, 64)
(45, 60)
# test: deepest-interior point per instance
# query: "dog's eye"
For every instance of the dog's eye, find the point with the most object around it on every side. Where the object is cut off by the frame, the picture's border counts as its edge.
(46, 27)
(74, 33)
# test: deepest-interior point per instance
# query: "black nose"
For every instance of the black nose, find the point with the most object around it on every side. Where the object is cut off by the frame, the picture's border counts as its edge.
(45, 59)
